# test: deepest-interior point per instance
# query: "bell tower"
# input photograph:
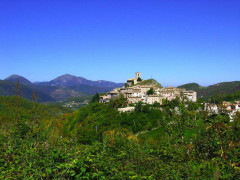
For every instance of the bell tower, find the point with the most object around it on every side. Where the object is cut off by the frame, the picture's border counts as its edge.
(137, 75)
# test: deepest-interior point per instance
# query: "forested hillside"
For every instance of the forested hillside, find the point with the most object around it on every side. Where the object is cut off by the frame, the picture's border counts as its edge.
(175, 141)
(213, 90)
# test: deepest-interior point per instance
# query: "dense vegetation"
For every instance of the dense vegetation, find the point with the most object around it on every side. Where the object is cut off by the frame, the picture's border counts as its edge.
(218, 99)
(174, 141)
(213, 90)
(190, 86)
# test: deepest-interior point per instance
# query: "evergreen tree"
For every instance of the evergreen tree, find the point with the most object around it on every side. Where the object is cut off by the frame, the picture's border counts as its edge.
(150, 91)
(95, 98)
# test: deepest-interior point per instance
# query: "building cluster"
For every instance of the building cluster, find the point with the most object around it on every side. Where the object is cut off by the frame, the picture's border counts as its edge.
(230, 108)
(135, 93)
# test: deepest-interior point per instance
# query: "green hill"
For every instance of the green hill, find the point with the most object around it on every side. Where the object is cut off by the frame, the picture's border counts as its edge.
(213, 90)
(15, 107)
(190, 86)
(152, 82)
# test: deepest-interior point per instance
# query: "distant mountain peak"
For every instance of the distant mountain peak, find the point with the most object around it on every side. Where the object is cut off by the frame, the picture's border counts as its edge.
(15, 78)
(71, 80)
(67, 75)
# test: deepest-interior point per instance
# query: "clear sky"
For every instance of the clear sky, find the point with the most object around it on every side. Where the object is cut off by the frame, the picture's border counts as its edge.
(173, 41)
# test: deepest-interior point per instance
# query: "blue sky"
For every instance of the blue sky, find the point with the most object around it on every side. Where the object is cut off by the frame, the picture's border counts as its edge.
(173, 41)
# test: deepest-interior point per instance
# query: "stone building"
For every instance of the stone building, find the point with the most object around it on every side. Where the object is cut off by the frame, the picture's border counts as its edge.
(134, 81)
(151, 99)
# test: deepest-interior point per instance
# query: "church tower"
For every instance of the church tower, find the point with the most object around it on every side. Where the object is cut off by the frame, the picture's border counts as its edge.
(137, 75)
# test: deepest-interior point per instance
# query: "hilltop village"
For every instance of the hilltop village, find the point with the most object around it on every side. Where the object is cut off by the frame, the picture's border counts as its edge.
(147, 91)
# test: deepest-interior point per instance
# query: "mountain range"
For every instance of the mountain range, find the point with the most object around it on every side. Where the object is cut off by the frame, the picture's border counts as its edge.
(60, 88)
(68, 86)
(70, 80)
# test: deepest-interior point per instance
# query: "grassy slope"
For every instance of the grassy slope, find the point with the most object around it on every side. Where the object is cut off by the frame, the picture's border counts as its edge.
(154, 136)
(150, 82)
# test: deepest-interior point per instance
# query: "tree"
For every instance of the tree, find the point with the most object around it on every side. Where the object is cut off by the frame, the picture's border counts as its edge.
(95, 98)
(156, 104)
(139, 106)
(150, 91)
(126, 85)
(139, 79)
(118, 102)
(174, 103)
(104, 94)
